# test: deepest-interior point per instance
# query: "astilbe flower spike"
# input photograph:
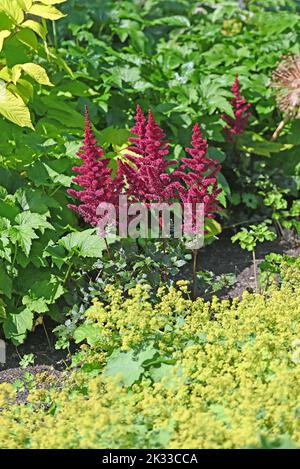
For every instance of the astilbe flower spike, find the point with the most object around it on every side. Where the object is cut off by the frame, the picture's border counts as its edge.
(237, 125)
(94, 177)
(198, 172)
(146, 170)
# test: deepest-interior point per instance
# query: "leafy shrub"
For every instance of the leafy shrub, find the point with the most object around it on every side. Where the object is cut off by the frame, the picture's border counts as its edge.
(22, 23)
(177, 373)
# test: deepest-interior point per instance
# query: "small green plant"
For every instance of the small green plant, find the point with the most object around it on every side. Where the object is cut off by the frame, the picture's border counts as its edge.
(249, 237)
(27, 360)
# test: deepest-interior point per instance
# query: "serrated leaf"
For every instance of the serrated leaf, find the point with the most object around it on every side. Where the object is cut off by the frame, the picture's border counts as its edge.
(42, 294)
(25, 4)
(38, 28)
(16, 325)
(23, 235)
(125, 365)
(36, 72)
(88, 332)
(33, 220)
(14, 109)
(48, 12)
(84, 243)
(175, 20)
(13, 9)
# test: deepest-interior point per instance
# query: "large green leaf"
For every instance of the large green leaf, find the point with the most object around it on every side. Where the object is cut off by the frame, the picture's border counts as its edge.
(16, 325)
(14, 109)
(46, 11)
(36, 72)
(13, 9)
(84, 243)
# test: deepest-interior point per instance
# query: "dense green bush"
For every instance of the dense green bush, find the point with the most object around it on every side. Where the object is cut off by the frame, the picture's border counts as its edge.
(172, 374)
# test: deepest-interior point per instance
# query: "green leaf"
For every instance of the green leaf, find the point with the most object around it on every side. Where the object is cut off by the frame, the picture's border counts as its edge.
(13, 9)
(16, 325)
(84, 243)
(14, 109)
(36, 72)
(88, 332)
(3, 35)
(5, 282)
(8, 211)
(23, 235)
(38, 28)
(42, 294)
(125, 365)
(46, 11)
(175, 20)
(25, 4)
(33, 220)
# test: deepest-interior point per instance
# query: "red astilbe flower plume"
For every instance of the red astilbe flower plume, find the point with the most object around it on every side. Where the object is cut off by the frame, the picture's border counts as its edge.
(146, 173)
(94, 177)
(198, 172)
(240, 106)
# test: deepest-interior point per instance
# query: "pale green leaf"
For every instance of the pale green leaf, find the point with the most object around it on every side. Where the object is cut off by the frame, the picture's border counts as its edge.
(25, 4)
(3, 35)
(46, 11)
(13, 9)
(38, 28)
(14, 109)
(36, 72)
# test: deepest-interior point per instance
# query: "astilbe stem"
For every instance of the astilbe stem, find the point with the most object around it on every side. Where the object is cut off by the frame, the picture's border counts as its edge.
(198, 173)
(237, 125)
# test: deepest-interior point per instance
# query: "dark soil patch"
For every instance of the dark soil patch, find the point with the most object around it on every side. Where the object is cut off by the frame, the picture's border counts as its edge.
(41, 346)
(37, 376)
(225, 257)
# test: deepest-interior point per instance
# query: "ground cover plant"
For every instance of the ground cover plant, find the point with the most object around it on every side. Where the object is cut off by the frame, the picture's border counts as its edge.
(161, 102)
(175, 374)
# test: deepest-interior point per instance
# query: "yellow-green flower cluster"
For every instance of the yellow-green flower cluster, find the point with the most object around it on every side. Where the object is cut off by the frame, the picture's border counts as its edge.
(231, 376)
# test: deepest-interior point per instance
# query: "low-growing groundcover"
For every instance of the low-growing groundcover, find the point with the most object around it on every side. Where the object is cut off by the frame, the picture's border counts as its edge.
(174, 374)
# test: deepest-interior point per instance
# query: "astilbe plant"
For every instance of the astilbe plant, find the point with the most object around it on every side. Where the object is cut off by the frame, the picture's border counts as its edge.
(145, 175)
(146, 169)
(237, 125)
(95, 179)
(198, 174)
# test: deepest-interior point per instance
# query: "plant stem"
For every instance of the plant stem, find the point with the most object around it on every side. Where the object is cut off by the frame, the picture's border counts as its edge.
(107, 248)
(254, 269)
(195, 253)
(279, 128)
(54, 34)
(47, 336)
